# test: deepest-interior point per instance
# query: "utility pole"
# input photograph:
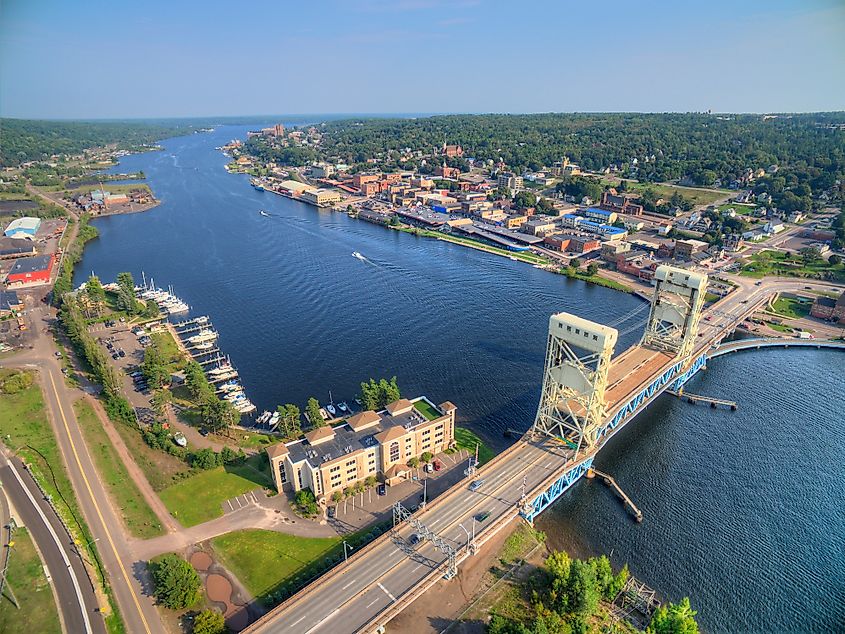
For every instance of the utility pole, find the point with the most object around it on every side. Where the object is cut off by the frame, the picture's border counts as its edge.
(345, 546)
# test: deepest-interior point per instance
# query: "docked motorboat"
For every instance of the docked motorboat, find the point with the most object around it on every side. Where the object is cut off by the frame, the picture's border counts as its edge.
(203, 335)
(343, 407)
(331, 410)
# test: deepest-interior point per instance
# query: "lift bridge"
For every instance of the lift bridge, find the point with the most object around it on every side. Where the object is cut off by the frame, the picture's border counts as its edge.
(588, 396)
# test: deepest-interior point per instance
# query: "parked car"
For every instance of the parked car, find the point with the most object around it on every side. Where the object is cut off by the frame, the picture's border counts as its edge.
(476, 484)
(203, 431)
(121, 353)
(331, 512)
(57, 353)
(429, 468)
(438, 465)
(115, 356)
(382, 489)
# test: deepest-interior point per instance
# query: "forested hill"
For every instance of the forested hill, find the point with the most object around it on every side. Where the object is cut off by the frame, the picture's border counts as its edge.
(24, 140)
(702, 147)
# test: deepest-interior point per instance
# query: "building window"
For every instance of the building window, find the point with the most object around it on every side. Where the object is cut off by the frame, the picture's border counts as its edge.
(283, 474)
(394, 451)
(299, 478)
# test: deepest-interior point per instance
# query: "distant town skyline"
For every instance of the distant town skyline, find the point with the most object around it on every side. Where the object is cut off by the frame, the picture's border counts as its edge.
(97, 59)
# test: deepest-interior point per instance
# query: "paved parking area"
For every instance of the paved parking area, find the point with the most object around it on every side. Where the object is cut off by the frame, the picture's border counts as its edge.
(367, 508)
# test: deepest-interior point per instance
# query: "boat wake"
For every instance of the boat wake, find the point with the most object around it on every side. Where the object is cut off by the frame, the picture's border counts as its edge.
(363, 258)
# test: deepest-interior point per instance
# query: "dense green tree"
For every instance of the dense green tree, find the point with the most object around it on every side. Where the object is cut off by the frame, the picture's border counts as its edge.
(289, 420)
(582, 591)
(524, 200)
(218, 415)
(176, 582)
(674, 618)
(209, 622)
(314, 415)
(305, 502)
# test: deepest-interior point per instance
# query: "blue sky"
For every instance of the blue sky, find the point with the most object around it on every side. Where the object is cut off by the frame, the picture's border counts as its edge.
(99, 59)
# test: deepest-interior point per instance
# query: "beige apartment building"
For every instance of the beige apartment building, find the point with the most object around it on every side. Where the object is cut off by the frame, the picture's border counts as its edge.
(369, 443)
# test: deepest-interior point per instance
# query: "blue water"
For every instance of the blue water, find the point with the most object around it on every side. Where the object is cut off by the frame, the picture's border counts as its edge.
(743, 510)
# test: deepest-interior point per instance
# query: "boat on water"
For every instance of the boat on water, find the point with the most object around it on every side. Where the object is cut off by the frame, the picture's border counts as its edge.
(234, 397)
(264, 213)
(230, 387)
(324, 414)
(356, 254)
(263, 417)
(343, 407)
(257, 185)
(204, 345)
(203, 335)
(331, 410)
(273, 421)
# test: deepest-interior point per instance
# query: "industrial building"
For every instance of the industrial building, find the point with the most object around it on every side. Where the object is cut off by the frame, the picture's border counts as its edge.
(16, 248)
(23, 228)
(370, 443)
(9, 303)
(30, 271)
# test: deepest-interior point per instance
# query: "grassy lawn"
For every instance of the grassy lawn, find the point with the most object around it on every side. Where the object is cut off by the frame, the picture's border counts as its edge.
(465, 439)
(26, 577)
(791, 307)
(742, 210)
(778, 263)
(779, 327)
(426, 410)
(24, 429)
(265, 560)
(160, 468)
(137, 515)
(697, 196)
(596, 279)
(198, 498)
(169, 349)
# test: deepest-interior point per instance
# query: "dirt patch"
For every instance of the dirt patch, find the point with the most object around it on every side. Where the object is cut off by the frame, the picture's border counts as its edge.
(437, 609)
(201, 561)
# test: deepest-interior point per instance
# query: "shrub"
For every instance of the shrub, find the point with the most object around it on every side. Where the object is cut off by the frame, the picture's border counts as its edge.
(209, 622)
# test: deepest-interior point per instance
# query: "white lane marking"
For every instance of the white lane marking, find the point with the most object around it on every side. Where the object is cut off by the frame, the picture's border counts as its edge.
(70, 570)
(323, 620)
(372, 603)
(417, 568)
(302, 618)
(386, 591)
(348, 584)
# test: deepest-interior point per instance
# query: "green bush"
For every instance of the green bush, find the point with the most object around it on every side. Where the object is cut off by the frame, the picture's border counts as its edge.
(176, 582)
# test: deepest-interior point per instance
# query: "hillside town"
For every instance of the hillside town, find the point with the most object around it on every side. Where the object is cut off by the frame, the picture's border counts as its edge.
(619, 229)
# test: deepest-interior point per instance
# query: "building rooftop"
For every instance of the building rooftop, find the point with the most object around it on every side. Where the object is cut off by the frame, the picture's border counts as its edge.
(26, 223)
(361, 431)
(31, 265)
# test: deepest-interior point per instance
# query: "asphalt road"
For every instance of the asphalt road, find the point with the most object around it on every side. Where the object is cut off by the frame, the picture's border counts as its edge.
(124, 573)
(77, 602)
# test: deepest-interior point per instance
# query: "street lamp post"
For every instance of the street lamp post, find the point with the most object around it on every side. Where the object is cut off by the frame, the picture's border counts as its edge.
(467, 533)
(345, 546)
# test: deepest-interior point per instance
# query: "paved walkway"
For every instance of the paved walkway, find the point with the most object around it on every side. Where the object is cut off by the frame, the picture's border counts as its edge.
(257, 515)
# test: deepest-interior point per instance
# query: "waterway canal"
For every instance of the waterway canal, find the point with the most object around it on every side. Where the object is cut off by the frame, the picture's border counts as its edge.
(743, 510)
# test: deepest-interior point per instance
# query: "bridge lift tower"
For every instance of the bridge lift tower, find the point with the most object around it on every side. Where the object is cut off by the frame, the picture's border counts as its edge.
(572, 403)
(675, 310)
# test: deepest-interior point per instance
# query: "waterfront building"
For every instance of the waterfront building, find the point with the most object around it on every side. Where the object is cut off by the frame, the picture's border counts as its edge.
(610, 250)
(829, 308)
(16, 248)
(321, 197)
(30, 271)
(540, 226)
(322, 170)
(23, 228)
(367, 444)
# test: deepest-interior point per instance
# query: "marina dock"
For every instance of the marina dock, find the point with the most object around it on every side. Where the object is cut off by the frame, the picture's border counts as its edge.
(614, 486)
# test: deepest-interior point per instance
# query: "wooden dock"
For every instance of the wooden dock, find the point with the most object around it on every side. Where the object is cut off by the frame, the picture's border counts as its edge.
(609, 481)
(698, 398)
